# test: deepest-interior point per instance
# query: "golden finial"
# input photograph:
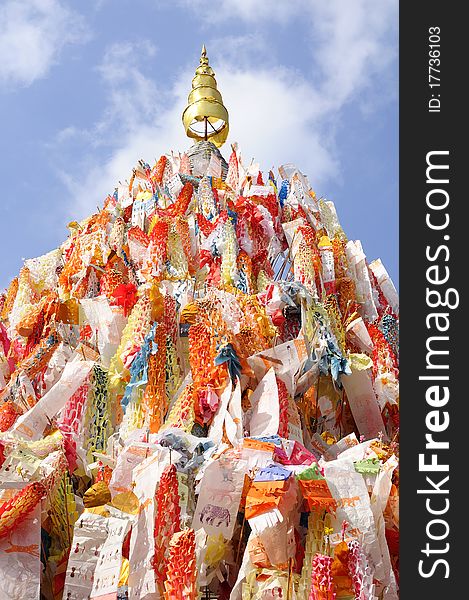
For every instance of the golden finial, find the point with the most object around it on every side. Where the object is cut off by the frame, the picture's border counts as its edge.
(205, 117)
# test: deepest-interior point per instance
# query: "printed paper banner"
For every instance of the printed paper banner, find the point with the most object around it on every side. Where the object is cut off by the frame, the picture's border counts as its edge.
(363, 403)
(265, 407)
(109, 324)
(20, 567)
(357, 261)
(350, 492)
(89, 535)
(32, 424)
(287, 360)
(234, 418)
(220, 495)
(129, 458)
(106, 576)
(386, 284)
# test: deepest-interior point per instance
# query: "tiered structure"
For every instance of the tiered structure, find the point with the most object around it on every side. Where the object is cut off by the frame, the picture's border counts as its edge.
(199, 393)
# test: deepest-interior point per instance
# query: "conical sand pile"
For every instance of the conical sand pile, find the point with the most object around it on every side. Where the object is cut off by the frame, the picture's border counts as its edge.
(199, 396)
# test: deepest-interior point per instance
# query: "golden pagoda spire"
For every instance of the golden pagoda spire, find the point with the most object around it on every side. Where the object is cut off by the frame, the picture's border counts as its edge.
(205, 117)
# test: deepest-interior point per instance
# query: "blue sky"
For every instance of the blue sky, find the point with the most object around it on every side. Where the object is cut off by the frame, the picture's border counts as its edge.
(89, 87)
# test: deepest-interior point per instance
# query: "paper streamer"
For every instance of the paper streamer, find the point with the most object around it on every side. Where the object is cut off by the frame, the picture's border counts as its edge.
(20, 567)
(363, 403)
(109, 324)
(32, 424)
(265, 407)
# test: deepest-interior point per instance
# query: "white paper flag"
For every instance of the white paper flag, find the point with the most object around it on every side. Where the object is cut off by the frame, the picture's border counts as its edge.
(32, 424)
(20, 565)
(265, 407)
(363, 403)
(89, 534)
(220, 495)
(108, 567)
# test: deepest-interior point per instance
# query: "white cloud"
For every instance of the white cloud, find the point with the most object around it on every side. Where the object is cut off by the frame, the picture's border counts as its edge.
(276, 115)
(352, 43)
(270, 113)
(32, 35)
(241, 50)
(247, 10)
(347, 38)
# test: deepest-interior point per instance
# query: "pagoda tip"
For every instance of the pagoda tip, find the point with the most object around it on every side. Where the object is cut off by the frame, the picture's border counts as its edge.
(205, 106)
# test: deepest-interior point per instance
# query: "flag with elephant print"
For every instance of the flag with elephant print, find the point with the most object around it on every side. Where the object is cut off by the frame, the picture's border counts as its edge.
(220, 494)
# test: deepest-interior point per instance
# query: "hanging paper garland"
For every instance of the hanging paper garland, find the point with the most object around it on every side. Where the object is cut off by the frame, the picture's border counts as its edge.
(182, 572)
(13, 511)
(167, 522)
